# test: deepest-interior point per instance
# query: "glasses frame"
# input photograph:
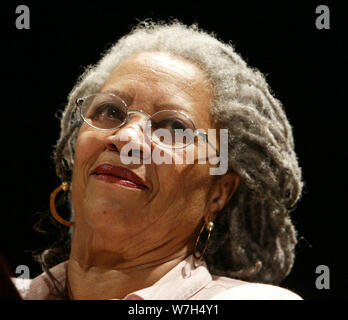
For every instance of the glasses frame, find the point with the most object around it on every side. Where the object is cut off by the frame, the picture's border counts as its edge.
(196, 132)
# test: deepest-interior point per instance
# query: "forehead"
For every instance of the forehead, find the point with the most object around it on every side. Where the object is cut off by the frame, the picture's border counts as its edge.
(161, 64)
(161, 78)
(160, 70)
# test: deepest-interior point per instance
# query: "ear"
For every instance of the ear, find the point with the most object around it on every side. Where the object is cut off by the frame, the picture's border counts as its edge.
(220, 194)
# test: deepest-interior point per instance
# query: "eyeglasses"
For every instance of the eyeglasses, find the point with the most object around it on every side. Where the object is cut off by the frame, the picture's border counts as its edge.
(107, 111)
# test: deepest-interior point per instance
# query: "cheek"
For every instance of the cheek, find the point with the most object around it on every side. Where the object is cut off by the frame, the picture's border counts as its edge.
(186, 177)
(88, 147)
(186, 187)
(89, 144)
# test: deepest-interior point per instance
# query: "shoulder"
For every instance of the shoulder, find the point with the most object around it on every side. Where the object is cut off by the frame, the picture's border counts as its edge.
(22, 285)
(241, 290)
(41, 287)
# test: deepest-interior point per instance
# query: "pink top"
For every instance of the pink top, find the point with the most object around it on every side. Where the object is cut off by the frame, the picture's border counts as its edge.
(184, 282)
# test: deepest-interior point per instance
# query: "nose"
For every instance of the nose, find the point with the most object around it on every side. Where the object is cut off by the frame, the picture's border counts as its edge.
(131, 140)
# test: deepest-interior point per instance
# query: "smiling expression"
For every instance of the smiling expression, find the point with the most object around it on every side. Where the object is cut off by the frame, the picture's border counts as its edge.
(172, 204)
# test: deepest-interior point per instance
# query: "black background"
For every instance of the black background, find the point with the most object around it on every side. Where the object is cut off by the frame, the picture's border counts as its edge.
(305, 67)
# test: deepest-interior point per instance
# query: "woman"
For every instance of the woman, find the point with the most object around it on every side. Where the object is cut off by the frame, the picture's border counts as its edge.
(155, 230)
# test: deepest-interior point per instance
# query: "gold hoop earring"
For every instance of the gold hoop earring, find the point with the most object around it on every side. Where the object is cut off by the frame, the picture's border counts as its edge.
(210, 227)
(65, 187)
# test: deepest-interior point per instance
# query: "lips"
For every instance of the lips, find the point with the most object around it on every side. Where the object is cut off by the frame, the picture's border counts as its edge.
(119, 175)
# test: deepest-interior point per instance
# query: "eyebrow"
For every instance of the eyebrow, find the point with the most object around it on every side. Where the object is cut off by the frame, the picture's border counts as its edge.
(172, 106)
(128, 99)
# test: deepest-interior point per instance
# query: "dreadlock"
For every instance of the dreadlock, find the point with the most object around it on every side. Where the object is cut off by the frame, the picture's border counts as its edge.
(253, 238)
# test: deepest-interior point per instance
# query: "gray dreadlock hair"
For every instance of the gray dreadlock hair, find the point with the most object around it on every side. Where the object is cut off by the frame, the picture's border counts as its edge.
(254, 238)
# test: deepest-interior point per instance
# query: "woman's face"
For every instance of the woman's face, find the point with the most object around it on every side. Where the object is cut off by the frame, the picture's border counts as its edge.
(175, 202)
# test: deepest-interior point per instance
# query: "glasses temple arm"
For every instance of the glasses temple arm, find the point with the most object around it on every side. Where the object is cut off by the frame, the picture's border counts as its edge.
(205, 137)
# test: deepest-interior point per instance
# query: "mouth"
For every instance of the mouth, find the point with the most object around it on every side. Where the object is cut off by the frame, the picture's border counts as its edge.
(118, 175)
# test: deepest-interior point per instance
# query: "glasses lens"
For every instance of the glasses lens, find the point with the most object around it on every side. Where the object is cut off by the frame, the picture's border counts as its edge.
(171, 129)
(104, 111)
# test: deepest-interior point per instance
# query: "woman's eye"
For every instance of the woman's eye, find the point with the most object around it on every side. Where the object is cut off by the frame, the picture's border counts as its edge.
(172, 125)
(112, 112)
(108, 111)
(176, 125)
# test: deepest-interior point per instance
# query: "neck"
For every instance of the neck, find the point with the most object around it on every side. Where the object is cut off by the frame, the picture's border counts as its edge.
(96, 274)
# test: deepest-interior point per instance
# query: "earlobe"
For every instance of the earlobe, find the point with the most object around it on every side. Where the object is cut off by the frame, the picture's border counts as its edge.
(234, 184)
(221, 194)
(228, 186)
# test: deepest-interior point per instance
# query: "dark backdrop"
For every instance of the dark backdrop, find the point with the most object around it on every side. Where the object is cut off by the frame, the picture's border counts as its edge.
(304, 66)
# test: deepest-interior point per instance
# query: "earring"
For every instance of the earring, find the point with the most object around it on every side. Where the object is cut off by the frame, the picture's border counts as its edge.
(210, 227)
(65, 187)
